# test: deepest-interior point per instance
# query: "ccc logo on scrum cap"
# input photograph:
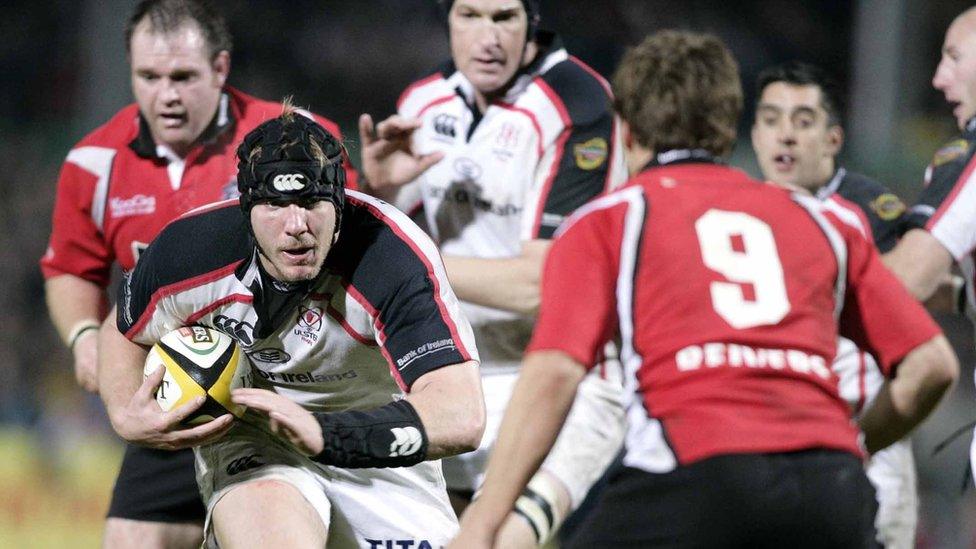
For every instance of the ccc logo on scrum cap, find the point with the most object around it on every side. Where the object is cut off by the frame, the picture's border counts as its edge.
(288, 182)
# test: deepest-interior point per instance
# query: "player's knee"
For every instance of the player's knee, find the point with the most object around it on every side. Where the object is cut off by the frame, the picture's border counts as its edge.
(264, 499)
(544, 505)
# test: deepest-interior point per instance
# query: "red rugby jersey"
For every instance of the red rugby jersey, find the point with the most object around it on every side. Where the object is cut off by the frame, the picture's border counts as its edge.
(115, 193)
(724, 292)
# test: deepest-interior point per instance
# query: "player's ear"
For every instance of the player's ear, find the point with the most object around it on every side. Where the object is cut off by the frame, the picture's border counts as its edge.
(627, 134)
(835, 139)
(221, 66)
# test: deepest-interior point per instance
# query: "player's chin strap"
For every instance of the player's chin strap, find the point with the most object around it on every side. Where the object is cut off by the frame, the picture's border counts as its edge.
(539, 506)
(388, 436)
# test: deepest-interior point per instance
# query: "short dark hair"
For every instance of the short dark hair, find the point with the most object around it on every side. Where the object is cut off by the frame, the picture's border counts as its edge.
(169, 15)
(680, 90)
(797, 73)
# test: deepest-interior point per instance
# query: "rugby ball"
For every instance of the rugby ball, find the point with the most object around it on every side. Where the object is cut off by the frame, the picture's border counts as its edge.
(199, 361)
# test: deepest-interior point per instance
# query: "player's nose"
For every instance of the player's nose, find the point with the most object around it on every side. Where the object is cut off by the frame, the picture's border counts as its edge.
(296, 219)
(941, 78)
(169, 93)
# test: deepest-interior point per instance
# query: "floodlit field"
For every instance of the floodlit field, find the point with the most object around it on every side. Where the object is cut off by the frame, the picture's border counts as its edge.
(52, 497)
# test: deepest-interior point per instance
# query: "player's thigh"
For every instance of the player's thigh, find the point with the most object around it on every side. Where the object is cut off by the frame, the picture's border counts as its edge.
(390, 507)
(267, 513)
(255, 461)
(123, 533)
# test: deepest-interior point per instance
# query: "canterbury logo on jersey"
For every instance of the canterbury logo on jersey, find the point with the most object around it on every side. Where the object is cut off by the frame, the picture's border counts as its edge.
(288, 182)
(406, 441)
(238, 329)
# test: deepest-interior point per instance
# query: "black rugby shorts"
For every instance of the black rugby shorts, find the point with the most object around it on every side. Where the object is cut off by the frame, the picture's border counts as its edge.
(816, 498)
(157, 486)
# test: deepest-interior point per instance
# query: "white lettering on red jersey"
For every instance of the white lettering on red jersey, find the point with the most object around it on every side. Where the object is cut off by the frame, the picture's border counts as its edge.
(724, 292)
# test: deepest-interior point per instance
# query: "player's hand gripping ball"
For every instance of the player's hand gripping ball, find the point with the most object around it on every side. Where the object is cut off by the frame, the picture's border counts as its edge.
(199, 361)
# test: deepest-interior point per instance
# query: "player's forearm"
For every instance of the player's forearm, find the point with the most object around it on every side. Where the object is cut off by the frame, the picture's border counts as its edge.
(451, 407)
(120, 364)
(923, 377)
(920, 262)
(510, 284)
(540, 403)
(72, 302)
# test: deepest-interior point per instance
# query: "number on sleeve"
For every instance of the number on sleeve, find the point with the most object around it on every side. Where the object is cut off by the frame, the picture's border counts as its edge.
(756, 264)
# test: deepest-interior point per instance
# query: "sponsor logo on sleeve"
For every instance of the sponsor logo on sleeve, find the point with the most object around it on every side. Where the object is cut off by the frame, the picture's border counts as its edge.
(888, 206)
(424, 350)
(590, 154)
(950, 152)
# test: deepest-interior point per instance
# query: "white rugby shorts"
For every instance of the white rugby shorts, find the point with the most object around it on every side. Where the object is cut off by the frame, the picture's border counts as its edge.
(362, 508)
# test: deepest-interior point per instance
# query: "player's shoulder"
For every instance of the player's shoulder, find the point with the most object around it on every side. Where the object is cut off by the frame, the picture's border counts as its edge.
(200, 241)
(603, 209)
(430, 86)
(583, 92)
(870, 196)
(952, 158)
(116, 133)
(373, 232)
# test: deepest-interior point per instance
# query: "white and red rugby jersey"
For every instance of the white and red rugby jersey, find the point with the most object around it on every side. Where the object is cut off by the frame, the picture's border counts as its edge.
(513, 173)
(117, 191)
(381, 315)
(725, 293)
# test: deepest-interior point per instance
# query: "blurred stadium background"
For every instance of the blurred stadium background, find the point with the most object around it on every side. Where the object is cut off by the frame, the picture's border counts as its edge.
(65, 72)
